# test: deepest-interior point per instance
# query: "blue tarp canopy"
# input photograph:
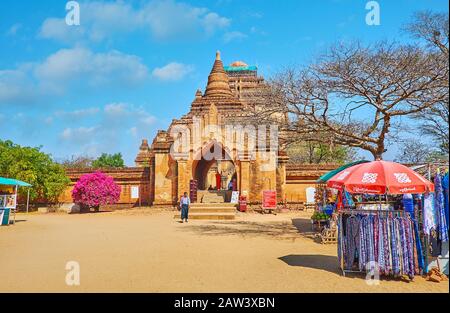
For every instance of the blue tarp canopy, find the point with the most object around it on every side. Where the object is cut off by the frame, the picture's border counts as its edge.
(13, 182)
(240, 68)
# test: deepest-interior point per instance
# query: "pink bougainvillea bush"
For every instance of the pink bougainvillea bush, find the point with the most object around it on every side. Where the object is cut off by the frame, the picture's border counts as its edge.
(93, 190)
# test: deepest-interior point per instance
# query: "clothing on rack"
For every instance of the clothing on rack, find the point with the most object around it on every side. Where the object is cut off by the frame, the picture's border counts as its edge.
(435, 245)
(347, 200)
(379, 239)
(408, 203)
(352, 233)
(429, 213)
(446, 195)
(442, 228)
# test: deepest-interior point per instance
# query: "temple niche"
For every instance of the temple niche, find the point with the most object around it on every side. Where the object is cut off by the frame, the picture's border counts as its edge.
(199, 148)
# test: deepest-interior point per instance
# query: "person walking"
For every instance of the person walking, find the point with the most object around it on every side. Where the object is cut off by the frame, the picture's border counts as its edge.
(185, 202)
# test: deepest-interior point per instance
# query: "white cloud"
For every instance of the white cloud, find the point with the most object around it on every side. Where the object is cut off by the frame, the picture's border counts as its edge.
(78, 135)
(96, 68)
(98, 20)
(212, 21)
(234, 35)
(133, 131)
(77, 114)
(148, 120)
(68, 67)
(56, 28)
(163, 19)
(12, 31)
(106, 132)
(172, 72)
(116, 109)
(16, 86)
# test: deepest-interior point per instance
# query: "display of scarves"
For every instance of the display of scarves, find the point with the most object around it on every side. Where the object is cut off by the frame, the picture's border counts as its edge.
(388, 241)
(408, 203)
(442, 228)
(352, 242)
(347, 200)
(429, 214)
(446, 195)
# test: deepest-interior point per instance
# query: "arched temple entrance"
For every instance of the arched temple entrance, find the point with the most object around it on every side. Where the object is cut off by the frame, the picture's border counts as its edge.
(212, 160)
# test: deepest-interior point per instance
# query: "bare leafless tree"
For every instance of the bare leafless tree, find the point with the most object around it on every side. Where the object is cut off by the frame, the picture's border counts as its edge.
(433, 29)
(414, 151)
(77, 162)
(355, 95)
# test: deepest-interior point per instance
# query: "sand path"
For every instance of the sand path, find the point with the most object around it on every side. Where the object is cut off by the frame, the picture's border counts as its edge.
(147, 251)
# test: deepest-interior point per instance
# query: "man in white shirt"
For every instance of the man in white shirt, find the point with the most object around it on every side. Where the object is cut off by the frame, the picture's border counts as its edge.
(185, 202)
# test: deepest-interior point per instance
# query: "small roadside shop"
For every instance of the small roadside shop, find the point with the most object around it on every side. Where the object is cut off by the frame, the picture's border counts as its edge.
(379, 221)
(8, 199)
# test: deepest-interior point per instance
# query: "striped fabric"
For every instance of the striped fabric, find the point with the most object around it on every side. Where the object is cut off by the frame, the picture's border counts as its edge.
(388, 241)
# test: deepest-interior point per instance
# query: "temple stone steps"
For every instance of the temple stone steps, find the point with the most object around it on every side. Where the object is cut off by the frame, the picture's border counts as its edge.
(212, 197)
(210, 211)
(209, 216)
(205, 205)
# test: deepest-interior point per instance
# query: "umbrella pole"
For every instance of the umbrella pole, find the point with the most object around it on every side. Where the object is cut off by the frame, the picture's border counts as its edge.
(15, 209)
(28, 198)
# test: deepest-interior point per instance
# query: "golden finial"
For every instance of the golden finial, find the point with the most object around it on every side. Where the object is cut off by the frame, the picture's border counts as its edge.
(218, 55)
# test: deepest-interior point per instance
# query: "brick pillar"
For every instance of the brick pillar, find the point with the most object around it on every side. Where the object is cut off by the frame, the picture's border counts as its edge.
(244, 171)
(184, 177)
(163, 181)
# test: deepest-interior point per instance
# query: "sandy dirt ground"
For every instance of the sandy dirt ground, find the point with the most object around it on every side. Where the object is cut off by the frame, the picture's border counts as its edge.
(148, 251)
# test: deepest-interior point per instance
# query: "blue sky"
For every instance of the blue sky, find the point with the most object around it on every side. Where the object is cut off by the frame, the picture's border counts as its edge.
(133, 66)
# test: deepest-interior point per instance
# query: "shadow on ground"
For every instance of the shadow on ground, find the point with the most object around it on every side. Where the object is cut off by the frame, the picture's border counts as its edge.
(298, 227)
(94, 212)
(320, 262)
(303, 226)
(19, 221)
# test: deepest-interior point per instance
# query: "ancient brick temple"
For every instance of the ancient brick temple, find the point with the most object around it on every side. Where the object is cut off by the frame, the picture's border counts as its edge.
(227, 100)
(206, 148)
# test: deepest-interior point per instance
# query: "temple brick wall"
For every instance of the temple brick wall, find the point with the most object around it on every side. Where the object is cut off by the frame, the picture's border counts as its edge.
(126, 178)
(301, 176)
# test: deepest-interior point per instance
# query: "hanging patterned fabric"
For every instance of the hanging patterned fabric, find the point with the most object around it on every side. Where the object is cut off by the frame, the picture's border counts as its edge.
(381, 250)
(429, 214)
(408, 203)
(446, 195)
(347, 200)
(352, 242)
(442, 228)
(373, 240)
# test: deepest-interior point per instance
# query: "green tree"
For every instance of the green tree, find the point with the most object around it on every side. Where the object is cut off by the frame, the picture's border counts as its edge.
(109, 161)
(35, 167)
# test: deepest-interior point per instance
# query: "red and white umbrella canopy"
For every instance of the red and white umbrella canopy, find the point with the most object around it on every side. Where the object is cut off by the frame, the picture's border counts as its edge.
(380, 177)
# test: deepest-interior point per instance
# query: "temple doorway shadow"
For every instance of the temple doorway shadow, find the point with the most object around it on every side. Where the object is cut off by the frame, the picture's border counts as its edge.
(327, 263)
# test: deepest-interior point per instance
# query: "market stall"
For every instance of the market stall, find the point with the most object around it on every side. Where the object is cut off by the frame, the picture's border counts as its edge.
(375, 232)
(327, 199)
(8, 199)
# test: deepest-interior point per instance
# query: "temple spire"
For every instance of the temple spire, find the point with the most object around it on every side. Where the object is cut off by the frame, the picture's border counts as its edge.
(218, 84)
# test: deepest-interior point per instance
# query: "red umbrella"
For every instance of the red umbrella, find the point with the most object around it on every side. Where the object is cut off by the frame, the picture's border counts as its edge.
(380, 177)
